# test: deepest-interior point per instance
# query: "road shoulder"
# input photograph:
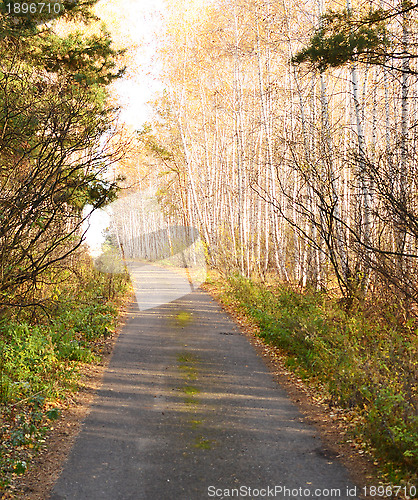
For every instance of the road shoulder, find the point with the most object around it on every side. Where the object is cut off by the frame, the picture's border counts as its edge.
(46, 467)
(328, 421)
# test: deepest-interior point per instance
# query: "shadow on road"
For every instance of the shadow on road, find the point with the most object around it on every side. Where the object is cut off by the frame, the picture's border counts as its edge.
(186, 409)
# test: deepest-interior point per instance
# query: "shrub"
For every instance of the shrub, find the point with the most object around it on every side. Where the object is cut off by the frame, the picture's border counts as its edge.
(367, 363)
(39, 359)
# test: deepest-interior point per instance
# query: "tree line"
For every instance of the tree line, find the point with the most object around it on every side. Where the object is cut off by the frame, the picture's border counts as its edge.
(287, 134)
(56, 126)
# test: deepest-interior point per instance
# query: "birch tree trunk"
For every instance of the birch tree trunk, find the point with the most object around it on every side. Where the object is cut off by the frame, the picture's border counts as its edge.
(364, 228)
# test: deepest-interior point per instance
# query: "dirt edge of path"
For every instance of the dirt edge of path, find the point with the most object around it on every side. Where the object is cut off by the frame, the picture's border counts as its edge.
(44, 470)
(328, 422)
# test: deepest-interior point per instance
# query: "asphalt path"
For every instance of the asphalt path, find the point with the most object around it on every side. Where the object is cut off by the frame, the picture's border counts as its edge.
(187, 411)
(155, 285)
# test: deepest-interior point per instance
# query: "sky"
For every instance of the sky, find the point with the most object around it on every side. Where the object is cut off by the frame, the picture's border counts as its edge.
(133, 24)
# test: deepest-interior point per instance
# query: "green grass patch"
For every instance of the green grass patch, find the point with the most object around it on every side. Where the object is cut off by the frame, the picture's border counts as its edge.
(367, 361)
(187, 358)
(187, 364)
(202, 443)
(190, 390)
(188, 372)
(183, 318)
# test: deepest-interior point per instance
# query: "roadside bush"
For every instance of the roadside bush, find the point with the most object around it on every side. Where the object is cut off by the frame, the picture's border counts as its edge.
(39, 360)
(28, 362)
(368, 363)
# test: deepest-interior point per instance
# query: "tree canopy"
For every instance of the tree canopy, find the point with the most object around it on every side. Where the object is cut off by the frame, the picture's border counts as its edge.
(55, 129)
(354, 36)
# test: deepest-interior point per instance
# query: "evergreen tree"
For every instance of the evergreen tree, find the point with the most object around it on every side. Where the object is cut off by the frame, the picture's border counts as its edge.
(54, 118)
(352, 36)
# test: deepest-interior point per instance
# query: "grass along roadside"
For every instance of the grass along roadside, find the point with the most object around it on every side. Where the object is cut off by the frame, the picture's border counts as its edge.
(41, 362)
(364, 363)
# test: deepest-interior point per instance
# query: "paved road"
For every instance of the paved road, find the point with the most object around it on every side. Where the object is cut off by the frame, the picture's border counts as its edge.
(155, 285)
(188, 411)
